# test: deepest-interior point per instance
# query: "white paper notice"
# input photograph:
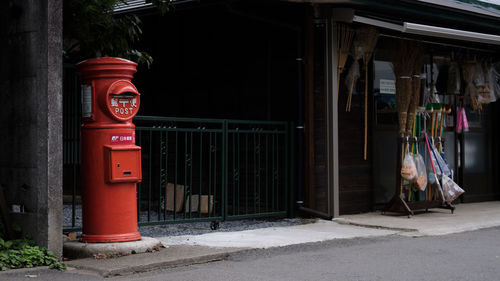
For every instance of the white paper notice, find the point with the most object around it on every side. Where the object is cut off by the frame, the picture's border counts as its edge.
(387, 86)
(86, 101)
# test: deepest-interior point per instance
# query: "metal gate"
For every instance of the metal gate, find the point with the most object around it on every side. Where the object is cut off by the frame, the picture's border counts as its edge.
(209, 169)
(205, 170)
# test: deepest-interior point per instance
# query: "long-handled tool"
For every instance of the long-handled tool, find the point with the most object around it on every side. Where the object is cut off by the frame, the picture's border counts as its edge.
(370, 40)
(345, 35)
(434, 182)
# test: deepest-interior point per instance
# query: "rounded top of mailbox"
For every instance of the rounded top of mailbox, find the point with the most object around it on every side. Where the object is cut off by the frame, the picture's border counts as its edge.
(106, 67)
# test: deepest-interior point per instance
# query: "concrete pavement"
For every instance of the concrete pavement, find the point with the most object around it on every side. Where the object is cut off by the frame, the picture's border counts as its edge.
(321, 230)
(193, 249)
(467, 217)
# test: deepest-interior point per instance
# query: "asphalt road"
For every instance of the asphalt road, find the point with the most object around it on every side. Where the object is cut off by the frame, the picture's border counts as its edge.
(465, 256)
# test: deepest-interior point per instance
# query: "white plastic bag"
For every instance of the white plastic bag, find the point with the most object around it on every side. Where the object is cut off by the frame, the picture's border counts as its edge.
(485, 92)
(421, 177)
(451, 190)
(408, 170)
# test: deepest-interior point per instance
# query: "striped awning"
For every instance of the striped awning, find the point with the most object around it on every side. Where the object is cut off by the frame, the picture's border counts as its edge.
(483, 7)
(131, 5)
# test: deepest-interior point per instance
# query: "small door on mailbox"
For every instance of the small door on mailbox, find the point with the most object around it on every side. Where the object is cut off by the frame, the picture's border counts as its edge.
(123, 162)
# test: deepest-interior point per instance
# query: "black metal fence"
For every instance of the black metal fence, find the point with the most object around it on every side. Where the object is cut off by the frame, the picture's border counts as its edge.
(209, 169)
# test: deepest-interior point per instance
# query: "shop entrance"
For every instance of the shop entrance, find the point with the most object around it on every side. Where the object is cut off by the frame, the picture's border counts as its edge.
(470, 153)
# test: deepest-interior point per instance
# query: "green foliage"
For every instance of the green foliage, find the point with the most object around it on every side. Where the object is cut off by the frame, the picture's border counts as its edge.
(24, 253)
(91, 30)
(163, 5)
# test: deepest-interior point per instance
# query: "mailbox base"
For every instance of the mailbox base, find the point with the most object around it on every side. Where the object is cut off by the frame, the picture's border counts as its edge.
(111, 238)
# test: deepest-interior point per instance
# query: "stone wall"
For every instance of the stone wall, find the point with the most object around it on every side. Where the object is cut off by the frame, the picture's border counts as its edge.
(31, 116)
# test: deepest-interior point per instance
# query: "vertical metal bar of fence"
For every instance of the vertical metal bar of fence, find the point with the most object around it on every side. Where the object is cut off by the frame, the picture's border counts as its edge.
(279, 163)
(161, 174)
(139, 185)
(201, 174)
(210, 170)
(259, 183)
(254, 172)
(224, 166)
(291, 175)
(191, 173)
(238, 167)
(273, 173)
(285, 170)
(247, 179)
(215, 179)
(150, 173)
(233, 191)
(186, 186)
(176, 173)
(165, 198)
(267, 172)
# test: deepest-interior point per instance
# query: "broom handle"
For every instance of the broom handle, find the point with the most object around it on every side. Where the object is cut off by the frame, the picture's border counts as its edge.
(349, 98)
(432, 123)
(441, 132)
(338, 82)
(432, 165)
(438, 117)
(339, 70)
(366, 111)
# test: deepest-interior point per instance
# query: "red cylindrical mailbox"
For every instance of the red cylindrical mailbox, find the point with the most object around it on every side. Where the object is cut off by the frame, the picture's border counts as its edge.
(111, 162)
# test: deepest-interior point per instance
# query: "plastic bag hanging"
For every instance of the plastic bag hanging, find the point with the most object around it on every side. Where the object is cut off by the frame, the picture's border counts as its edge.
(492, 80)
(495, 79)
(451, 190)
(454, 79)
(485, 95)
(408, 169)
(421, 177)
(462, 124)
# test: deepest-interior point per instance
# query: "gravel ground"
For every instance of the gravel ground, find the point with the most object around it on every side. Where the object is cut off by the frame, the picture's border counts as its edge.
(197, 228)
(67, 216)
(193, 228)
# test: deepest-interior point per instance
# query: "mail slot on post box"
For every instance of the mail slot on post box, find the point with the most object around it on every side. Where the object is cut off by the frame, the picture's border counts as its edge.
(123, 162)
(111, 162)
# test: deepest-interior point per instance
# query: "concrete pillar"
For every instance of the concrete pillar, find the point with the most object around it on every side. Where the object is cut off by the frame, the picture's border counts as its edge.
(31, 116)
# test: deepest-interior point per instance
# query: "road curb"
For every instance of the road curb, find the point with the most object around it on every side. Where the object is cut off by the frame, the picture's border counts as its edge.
(170, 257)
(347, 222)
(154, 266)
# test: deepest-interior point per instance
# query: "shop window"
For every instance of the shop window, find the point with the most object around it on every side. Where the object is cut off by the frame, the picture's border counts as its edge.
(385, 93)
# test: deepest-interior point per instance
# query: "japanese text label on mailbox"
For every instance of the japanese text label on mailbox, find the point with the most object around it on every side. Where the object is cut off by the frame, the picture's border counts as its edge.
(123, 106)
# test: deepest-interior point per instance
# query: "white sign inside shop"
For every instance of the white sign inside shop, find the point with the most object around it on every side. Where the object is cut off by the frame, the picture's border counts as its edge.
(387, 86)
